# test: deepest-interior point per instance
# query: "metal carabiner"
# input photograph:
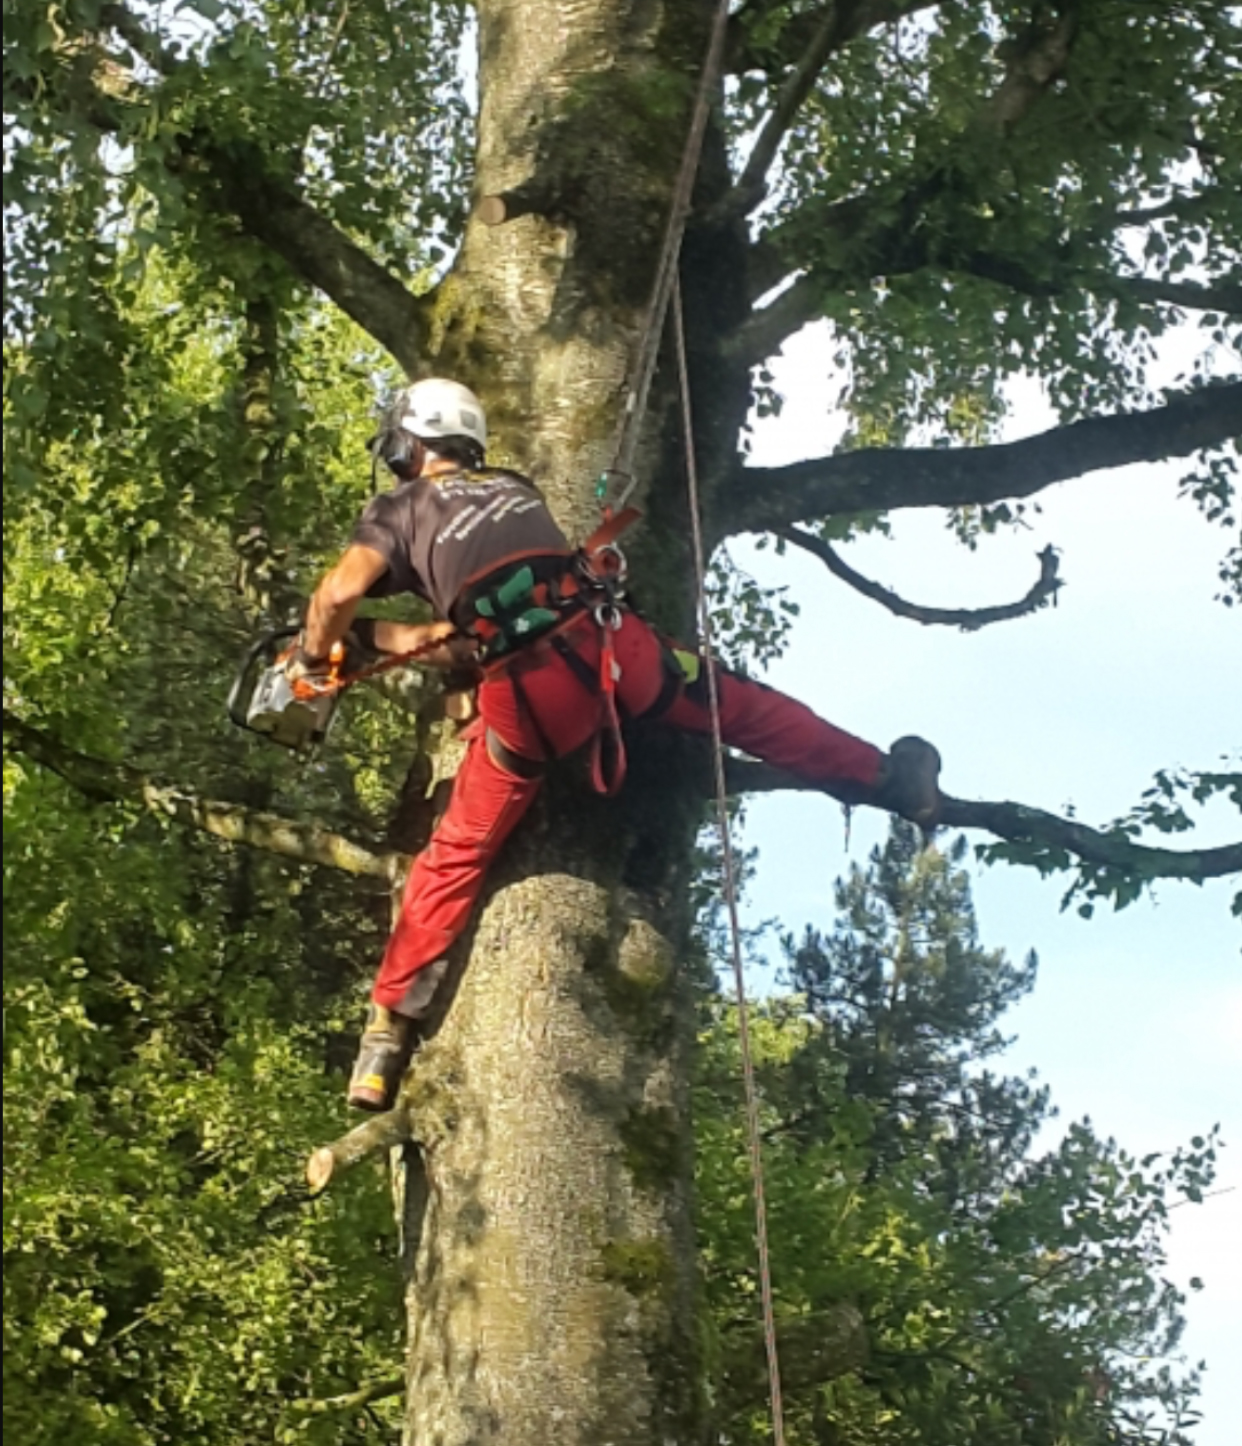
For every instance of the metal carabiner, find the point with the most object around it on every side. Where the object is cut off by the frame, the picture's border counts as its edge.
(607, 616)
(609, 562)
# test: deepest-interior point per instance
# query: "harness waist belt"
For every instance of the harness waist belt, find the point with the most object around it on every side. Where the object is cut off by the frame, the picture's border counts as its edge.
(526, 599)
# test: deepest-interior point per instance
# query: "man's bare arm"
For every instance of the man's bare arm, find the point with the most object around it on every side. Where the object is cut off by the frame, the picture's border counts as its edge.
(336, 599)
(335, 603)
(457, 650)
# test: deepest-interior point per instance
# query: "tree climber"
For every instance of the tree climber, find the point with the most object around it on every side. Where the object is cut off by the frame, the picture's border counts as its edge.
(559, 654)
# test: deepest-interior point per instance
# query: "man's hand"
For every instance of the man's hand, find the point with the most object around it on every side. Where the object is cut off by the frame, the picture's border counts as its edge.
(302, 666)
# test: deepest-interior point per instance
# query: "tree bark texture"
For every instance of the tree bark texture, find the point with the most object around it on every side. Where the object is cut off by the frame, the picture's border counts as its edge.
(551, 1287)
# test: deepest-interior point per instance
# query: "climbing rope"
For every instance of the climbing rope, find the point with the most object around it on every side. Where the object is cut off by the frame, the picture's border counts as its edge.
(730, 879)
(665, 288)
(648, 348)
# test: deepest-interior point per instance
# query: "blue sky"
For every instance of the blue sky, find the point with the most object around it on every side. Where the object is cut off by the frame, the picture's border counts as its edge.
(1136, 1020)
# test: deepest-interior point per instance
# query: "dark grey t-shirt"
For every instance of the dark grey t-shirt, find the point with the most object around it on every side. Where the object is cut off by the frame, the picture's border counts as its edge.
(440, 535)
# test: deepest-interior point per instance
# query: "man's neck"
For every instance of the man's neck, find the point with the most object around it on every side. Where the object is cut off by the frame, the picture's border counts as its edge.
(439, 467)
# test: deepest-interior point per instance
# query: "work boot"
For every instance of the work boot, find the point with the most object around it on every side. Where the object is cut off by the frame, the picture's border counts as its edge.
(387, 1043)
(909, 782)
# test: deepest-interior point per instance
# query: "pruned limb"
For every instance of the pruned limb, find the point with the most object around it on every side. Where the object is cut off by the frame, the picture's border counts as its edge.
(380, 1133)
(968, 619)
(767, 499)
(1017, 823)
(352, 1400)
(305, 843)
(530, 199)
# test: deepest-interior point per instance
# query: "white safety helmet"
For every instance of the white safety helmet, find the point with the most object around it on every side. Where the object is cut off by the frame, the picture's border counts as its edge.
(441, 408)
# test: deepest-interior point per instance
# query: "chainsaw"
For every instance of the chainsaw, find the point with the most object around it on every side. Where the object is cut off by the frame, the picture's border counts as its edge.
(295, 713)
(298, 712)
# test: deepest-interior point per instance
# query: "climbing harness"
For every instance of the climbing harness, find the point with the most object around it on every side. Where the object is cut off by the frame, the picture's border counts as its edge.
(516, 611)
(513, 606)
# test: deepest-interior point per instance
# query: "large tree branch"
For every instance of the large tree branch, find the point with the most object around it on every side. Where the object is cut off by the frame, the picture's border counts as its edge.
(1017, 823)
(757, 499)
(790, 46)
(881, 235)
(1223, 294)
(893, 251)
(841, 224)
(1220, 295)
(968, 619)
(751, 186)
(1036, 61)
(1195, 207)
(874, 233)
(317, 250)
(763, 332)
(237, 180)
(305, 843)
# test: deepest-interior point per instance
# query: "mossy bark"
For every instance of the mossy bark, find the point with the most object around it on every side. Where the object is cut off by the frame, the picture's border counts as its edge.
(552, 1284)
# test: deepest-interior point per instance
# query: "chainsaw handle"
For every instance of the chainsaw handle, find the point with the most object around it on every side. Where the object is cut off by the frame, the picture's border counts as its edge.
(264, 645)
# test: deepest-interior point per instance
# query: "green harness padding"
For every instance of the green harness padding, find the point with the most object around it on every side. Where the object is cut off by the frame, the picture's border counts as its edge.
(514, 609)
(690, 664)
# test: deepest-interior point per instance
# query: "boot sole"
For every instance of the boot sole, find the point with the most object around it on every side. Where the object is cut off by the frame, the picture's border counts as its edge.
(373, 1102)
(369, 1090)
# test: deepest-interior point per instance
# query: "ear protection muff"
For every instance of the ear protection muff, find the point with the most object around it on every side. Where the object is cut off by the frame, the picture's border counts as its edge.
(400, 451)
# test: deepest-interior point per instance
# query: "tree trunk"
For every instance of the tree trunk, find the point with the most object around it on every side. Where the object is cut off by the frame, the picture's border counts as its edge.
(550, 1250)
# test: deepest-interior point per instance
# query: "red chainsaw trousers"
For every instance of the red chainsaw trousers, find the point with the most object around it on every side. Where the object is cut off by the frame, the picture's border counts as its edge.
(552, 710)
